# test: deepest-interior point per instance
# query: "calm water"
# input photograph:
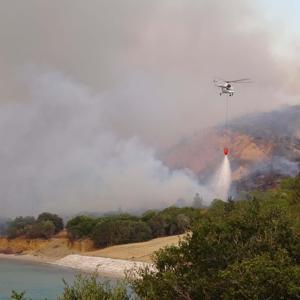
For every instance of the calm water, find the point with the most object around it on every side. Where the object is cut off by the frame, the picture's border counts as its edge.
(40, 281)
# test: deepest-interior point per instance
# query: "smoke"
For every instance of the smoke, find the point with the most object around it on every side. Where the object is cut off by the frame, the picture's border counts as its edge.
(278, 165)
(128, 79)
(59, 154)
(157, 57)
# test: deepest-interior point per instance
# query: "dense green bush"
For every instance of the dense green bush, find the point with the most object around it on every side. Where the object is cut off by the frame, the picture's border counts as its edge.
(87, 287)
(238, 250)
(126, 228)
(290, 189)
(172, 220)
(80, 227)
(55, 219)
(113, 232)
(261, 277)
(3, 226)
(235, 250)
(45, 226)
(43, 229)
(19, 226)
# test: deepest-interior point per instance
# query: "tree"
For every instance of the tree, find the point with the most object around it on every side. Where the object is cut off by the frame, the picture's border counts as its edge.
(18, 226)
(31, 228)
(3, 226)
(55, 219)
(42, 229)
(158, 226)
(183, 223)
(148, 215)
(290, 187)
(113, 232)
(89, 287)
(262, 277)
(252, 240)
(80, 227)
(139, 232)
(198, 201)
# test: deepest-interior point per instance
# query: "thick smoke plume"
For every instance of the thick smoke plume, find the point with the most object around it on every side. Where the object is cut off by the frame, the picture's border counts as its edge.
(130, 79)
(159, 58)
(59, 154)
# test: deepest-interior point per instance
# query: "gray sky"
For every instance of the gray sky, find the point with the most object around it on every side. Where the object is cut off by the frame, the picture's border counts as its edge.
(91, 90)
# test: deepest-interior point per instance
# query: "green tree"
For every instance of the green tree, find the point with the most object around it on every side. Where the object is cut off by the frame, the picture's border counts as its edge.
(88, 287)
(80, 227)
(197, 201)
(148, 215)
(261, 277)
(18, 226)
(55, 219)
(42, 229)
(113, 232)
(255, 238)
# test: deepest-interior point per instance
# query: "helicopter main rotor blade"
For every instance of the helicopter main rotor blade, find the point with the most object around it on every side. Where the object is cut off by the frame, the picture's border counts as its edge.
(219, 79)
(244, 80)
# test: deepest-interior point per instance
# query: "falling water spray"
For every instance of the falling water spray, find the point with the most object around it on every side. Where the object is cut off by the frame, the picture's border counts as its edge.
(221, 182)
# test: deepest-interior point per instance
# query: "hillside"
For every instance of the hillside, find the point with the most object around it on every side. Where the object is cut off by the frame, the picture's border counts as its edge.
(262, 145)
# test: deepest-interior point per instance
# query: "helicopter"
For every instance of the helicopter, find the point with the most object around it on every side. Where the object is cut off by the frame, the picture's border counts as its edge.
(227, 88)
(226, 85)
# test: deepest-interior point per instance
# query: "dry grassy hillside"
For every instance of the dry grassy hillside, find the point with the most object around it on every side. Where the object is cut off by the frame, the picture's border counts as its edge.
(203, 152)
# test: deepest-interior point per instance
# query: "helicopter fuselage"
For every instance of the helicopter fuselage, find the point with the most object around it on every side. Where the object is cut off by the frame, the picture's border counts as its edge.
(226, 85)
(226, 89)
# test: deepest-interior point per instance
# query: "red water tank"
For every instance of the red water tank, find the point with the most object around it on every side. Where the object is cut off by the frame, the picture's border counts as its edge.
(226, 150)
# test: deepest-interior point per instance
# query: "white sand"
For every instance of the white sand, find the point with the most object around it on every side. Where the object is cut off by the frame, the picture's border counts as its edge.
(109, 267)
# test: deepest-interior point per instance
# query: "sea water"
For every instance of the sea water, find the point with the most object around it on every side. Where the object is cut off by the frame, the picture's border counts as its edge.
(40, 281)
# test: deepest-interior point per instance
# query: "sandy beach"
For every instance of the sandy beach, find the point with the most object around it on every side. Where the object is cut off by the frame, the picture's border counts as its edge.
(106, 267)
(110, 262)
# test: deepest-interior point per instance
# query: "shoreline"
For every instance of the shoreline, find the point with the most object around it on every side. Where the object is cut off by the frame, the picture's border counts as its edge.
(111, 262)
(103, 266)
(27, 257)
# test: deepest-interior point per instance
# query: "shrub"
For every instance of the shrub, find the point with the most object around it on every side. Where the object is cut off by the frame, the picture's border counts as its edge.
(43, 229)
(112, 232)
(18, 226)
(87, 287)
(242, 250)
(55, 219)
(80, 227)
